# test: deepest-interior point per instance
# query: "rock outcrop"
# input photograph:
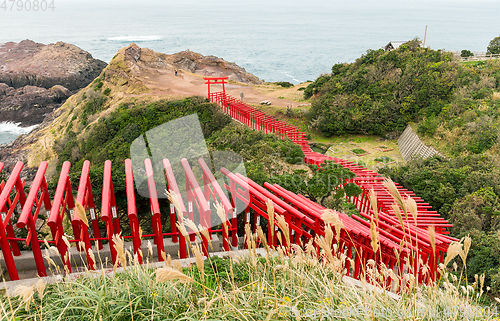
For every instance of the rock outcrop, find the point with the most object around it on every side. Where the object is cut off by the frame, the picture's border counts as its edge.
(212, 66)
(30, 105)
(36, 79)
(208, 66)
(28, 63)
(134, 76)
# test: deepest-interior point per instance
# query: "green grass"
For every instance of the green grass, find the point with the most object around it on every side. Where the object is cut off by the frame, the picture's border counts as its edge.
(359, 151)
(251, 288)
(384, 159)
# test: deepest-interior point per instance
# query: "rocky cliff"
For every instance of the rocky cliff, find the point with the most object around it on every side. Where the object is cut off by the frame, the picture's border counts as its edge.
(207, 66)
(35, 79)
(29, 105)
(28, 63)
(211, 66)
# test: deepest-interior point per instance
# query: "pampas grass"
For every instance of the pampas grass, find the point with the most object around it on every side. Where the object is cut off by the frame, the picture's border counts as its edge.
(167, 274)
(332, 217)
(270, 214)
(302, 285)
(119, 245)
(80, 213)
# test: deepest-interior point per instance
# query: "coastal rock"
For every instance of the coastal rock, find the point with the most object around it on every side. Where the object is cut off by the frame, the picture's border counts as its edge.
(134, 76)
(28, 63)
(30, 105)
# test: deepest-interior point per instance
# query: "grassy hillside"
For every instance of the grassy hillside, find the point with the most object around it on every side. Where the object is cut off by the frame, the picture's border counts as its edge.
(101, 121)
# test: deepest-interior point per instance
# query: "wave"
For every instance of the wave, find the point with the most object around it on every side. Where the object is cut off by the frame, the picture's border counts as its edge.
(135, 38)
(14, 128)
(293, 78)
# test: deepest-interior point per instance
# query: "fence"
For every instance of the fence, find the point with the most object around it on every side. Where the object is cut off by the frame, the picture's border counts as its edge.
(476, 56)
(303, 217)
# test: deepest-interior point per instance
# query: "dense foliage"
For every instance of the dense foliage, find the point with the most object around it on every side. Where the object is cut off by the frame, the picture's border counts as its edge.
(284, 84)
(494, 46)
(454, 104)
(442, 182)
(264, 155)
(466, 53)
(466, 191)
(383, 91)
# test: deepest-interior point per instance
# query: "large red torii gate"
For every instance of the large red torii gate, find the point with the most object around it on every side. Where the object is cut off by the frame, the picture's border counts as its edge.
(215, 81)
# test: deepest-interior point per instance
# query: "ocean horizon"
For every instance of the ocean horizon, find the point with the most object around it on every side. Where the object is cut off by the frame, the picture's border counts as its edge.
(281, 40)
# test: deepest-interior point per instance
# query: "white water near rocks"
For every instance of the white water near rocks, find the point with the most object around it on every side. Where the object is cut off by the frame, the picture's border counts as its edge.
(9, 131)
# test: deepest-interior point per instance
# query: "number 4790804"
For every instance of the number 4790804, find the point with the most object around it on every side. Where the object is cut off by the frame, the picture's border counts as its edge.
(27, 5)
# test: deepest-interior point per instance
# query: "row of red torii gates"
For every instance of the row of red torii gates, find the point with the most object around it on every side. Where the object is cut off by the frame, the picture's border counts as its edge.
(410, 244)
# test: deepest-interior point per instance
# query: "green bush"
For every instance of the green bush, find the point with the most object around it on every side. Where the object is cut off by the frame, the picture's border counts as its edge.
(328, 180)
(382, 91)
(98, 86)
(107, 91)
(285, 84)
(428, 126)
(442, 181)
(466, 53)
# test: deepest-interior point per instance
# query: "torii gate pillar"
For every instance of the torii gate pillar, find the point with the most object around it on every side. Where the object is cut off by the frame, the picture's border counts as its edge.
(216, 81)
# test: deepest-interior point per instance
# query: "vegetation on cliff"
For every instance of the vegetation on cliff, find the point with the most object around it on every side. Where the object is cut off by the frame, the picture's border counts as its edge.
(382, 91)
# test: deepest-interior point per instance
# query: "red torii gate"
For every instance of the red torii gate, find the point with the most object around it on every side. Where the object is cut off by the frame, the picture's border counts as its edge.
(215, 81)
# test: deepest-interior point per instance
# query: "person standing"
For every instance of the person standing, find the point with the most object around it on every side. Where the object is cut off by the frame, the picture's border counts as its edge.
(175, 72)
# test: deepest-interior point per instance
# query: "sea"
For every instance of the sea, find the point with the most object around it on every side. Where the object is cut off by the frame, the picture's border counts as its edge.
(276, 40)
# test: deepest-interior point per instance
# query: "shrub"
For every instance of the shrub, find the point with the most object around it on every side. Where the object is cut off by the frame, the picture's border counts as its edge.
(98, 86)
(384, 159)
(359, 151)
(466, 53)
(378, 93)
(285, 84)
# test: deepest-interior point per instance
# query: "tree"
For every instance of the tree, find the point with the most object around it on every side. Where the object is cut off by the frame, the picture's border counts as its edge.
(466, 53)
(479, 210)
(494, 47)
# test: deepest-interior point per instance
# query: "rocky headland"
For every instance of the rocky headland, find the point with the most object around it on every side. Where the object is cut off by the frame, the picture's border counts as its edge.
(35, 79)
(28, 63)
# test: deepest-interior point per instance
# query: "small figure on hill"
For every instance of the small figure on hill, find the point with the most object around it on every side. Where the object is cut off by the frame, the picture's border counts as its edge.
(175, 72)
